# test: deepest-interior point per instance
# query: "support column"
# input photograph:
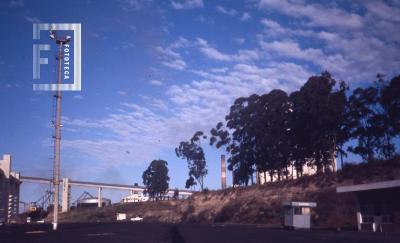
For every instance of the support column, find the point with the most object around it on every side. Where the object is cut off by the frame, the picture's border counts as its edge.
(66, 196)
(223, 172)
(233, 178)
(100, 199)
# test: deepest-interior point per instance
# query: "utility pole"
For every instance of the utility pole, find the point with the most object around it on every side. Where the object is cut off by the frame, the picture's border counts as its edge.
(57, 125)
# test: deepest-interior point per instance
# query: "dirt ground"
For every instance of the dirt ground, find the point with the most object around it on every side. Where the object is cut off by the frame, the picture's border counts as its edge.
(179, 233)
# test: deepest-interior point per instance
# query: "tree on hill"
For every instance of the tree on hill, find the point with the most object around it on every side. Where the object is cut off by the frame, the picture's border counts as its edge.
(318, 112)
(156, 178)
(259, 139)
(190, 183)
(269, 132)
(273, 144)
(390, 101)
(219, 136)
(309, 127)
(194, 155)
(374, 119)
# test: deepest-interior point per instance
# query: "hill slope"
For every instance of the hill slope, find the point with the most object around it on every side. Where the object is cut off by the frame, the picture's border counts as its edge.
(261, 204)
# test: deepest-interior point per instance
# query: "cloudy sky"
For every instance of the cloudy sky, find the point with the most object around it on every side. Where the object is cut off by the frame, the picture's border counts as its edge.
(154, 72)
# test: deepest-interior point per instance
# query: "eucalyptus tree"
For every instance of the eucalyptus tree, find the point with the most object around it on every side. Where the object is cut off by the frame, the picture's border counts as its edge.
(390, 101)
(259, 139)
(194, 155)
(374, 118)
(156, 178)
(274, 146)
(318, 112)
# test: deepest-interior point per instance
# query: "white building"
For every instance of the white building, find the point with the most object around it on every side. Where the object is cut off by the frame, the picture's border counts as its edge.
(135, 197)
(9, 191)
(264, 177)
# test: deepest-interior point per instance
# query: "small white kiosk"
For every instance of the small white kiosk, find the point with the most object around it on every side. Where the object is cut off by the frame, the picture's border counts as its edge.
(298, 214)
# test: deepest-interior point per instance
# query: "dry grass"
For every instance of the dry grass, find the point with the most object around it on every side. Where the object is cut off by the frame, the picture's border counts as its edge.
(261, 204)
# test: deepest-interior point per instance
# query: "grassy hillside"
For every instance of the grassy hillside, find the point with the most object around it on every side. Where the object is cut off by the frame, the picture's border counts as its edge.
(261, 204)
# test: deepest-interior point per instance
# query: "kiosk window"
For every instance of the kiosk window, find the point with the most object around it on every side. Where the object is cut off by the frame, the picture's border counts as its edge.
(288, 210)
(297, 211)
(306, 211)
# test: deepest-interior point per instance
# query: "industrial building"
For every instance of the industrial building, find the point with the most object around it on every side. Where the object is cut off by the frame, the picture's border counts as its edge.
(9, 191)
(135, 197)
(93, 202)
(378, 205)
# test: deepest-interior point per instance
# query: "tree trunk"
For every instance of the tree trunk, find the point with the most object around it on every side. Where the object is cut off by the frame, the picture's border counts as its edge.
(341, 159)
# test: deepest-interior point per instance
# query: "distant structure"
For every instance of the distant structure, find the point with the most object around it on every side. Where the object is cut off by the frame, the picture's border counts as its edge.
(9, 191)
(135, 197)
(86, 200)
(223, 172)
(263, 177)
(68, 183)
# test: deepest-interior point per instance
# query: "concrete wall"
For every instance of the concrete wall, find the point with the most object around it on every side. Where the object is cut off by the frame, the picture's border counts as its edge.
(66, 195)
(9, 191)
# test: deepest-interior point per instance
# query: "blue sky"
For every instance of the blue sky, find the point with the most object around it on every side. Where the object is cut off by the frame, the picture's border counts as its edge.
(154, 72)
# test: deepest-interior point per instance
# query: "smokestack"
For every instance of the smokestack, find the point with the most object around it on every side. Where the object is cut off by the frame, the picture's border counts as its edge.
(223, 172)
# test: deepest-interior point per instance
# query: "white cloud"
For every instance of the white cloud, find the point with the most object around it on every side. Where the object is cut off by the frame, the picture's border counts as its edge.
(219, 70)
(167, 52)
(227, 11)
(356, 58)
(134, 5)
(245, 16)
(156, 82)
(169, 55)
(155, 103)
(78, 97)
(273, 27)
(335, 63)
(355, 55)
(159, 104)
(175, 64)
(238, 40)
(292, 49)
(32, 19)
(123, 93)
(205, 20)
(127, 45)
(383, 11)
(318, 15)
(352, 47)
(196, 105)
(187, 4)
(212, 53)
